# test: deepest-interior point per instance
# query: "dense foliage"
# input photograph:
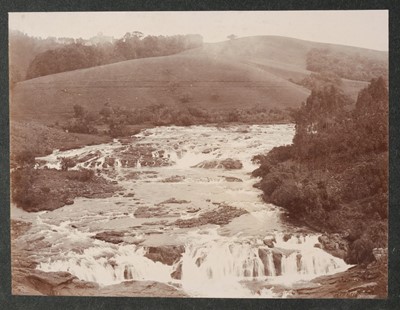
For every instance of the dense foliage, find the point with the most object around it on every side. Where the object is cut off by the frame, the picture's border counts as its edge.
(22, 50)
(349, 66)
(83, 54)
(335, 174)
(116, 121)
(67, 58)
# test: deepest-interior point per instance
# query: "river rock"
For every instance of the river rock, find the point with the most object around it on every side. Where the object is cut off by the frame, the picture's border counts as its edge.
(157, 211)
(166, 254)
(69, 201)
(173, 179)
(277, 259)
(193, 210)
(173, 200)
(318, 245)
(269, 241)
(220, 216)
(177, 273)
(263, 254)
(144, 154)
(228, 164)
(114, 237)
(47, 282)
(286, 237)
(232, 179)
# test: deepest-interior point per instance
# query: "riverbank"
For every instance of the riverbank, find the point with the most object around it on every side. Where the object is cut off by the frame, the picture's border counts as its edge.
(367, 282)
(315, 198)
(334, 176)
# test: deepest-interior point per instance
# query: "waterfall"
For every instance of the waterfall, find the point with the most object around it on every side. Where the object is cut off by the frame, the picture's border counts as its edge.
(110, 265)
(212, 268)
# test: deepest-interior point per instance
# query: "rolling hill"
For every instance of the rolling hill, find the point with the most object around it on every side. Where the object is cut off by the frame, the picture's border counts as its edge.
(246, 72)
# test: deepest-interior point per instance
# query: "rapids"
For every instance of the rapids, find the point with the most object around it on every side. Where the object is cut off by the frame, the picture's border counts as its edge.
(161, 185)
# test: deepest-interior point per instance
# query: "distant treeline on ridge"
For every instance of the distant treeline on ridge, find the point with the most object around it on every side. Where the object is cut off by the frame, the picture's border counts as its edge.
(33, 57)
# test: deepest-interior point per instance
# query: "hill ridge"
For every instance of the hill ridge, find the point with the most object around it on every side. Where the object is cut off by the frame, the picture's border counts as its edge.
(226, 75)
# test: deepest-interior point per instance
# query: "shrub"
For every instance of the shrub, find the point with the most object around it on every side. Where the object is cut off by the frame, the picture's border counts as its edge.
(280, 154)
(360, 251)
(22, 191)
(79, 111)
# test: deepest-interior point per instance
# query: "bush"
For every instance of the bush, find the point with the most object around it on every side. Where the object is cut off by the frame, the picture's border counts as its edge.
(80, 126)
(280, 154)
(360, 252)
(79, 111)
(22, 191)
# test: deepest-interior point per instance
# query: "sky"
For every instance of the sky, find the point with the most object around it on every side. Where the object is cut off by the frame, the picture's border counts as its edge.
(363, 28)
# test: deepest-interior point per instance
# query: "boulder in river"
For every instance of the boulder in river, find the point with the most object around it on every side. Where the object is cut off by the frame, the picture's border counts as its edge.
(227, 163)
(114, 237)
(219, 216)
(166, 254)
(48, 282)
(230, 163)
(157, 211)
(69, 201)
(173, 200)
(177, 273)
(173, 179)
(276, 259)
(269, 241)
(286, 237)
(232, 179)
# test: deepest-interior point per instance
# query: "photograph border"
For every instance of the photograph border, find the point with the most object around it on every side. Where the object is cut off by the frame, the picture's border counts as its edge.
(8, 301)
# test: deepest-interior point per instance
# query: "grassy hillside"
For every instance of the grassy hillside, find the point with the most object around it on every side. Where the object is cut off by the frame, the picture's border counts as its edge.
(246, 72)
(41, 140)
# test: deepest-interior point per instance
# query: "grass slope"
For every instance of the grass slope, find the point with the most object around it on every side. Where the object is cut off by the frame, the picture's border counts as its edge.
(246, 72)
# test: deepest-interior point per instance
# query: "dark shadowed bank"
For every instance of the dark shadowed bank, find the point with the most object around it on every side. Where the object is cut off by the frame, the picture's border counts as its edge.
(334, 178)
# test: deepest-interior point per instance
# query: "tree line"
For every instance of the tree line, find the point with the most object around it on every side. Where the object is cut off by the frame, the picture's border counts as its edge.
(33, 57)
(131, 46)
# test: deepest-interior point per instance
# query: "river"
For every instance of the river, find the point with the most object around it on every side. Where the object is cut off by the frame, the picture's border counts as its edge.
(172, 180)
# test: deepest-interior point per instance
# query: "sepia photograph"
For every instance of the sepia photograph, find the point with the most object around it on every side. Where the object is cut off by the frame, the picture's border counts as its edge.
(199, 154)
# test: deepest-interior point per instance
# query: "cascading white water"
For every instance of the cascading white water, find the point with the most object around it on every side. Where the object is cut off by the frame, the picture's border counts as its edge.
(110, 265)
(208, 267)
(217, 261)
(213, 268)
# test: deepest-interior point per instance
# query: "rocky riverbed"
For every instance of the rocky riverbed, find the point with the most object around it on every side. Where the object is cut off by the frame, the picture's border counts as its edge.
(183, 220)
